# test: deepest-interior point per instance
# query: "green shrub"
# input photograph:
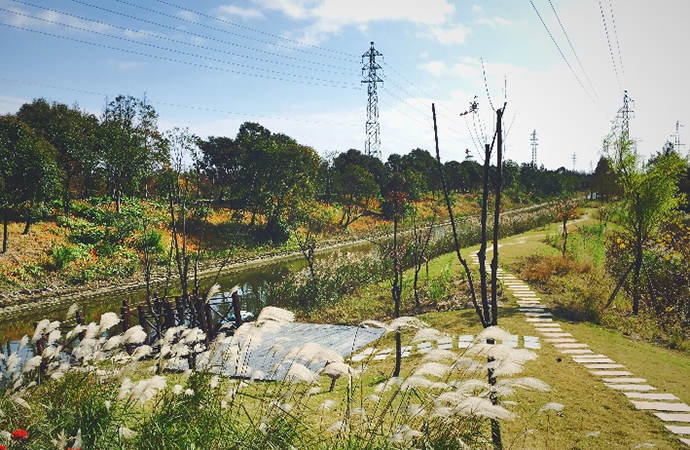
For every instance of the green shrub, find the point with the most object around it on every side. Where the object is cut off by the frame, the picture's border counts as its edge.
(62, 255)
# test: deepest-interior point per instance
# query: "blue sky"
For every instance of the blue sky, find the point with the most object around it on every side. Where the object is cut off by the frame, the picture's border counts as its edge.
(295, 67)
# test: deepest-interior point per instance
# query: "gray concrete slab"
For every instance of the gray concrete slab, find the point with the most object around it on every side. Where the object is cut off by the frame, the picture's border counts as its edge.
(571, 345)
(661, 406)
(655, 396)
(673, 417)
(550, 334)
(595, 361)
(560, 340)
(613, 373)
(538, 319)
(631, 387)
(604, 366)
(590, 357)
(576, 351)
(685, 441)
(548, 325)
(625, 380)
(538, 314)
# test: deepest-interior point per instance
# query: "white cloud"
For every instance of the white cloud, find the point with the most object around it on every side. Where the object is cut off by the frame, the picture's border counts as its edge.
(477, 8)
(244, 13)
(494, 22)
(448, 36)
(330, 16)
(436, 68)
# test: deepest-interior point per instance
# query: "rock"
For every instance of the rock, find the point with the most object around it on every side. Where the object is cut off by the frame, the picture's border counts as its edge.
(25, 291)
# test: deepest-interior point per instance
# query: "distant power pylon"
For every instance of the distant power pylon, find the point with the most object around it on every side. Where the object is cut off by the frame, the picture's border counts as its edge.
(535, 144)
(625, 114)
(372, 146)
(574, 162)
(676, 138)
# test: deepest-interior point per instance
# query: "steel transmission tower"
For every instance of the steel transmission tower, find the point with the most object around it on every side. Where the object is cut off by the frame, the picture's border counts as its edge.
(625, 114)
(535, 144)
(677, 144)
(372, 146)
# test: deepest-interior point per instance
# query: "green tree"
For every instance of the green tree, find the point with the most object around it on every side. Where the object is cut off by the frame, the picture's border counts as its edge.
(27, 168)
(72, 133)
(649, 198)
(131, 146)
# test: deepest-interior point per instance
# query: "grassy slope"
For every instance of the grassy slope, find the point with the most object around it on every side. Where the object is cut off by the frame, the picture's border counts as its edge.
(594, 416)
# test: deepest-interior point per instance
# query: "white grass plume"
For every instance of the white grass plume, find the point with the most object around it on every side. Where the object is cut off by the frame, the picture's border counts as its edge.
(40, 329)
(22, 343)
(439, 355)
(71, 311)
(434, 369)
(428, 334)
(31, 364)
(551, 406)
(108, 320)
(477, 406)
(134, 335)
(415, 382)
(525, 383)
(406, 322)
(298, 373)
(271, 313)
(215, 289)
(495, 332)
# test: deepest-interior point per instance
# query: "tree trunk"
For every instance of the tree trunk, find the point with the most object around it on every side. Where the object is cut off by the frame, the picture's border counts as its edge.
(5, 220)
(29, 218)
(636, 277)
(482, 249)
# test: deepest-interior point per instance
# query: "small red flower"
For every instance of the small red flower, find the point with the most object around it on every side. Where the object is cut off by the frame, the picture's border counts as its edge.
(2, 447)
(19, 434)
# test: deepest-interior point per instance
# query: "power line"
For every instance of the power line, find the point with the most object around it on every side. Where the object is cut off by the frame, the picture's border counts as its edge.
(561, 51)
(608, 40)
(181, 19)
(177, 105)
(158, 47)
(158, 36)
(217, 19)
(197, 35)
(615, 33)
(318, 82)
(573, 49)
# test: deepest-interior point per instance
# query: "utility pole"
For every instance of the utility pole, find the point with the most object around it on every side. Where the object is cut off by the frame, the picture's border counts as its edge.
(535, 144)
(372, 145)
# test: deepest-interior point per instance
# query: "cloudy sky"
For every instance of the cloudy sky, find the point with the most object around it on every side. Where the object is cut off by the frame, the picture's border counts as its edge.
(295, 66)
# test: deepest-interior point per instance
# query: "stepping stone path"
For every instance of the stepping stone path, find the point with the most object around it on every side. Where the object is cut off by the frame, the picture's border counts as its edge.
(665, 406)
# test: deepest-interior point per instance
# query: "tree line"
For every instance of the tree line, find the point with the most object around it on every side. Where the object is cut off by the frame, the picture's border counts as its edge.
(52, 153)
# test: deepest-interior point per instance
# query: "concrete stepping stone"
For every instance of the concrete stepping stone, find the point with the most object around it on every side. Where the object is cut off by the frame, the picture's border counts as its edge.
(576, 351)
(623, 380)
(604, 366)
(532, 345)
(385, 351)
(531, 338)
(538, 314)
(590, 357)
(631, 387)
(571, 345)
(661, 406)
(550, 334)
(380, 357)
(678, 430)
(685, 441)
(549, 325)
(538, 319)
(560, 340)
(465, 341)
(358, 358)
(673, 417)
(595, 361)
(644, 396)
(614, 373)
(369, 351)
